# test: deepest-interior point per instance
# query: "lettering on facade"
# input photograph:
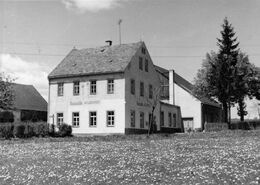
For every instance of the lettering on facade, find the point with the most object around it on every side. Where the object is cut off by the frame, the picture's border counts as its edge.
(92, 102)
(76, 103)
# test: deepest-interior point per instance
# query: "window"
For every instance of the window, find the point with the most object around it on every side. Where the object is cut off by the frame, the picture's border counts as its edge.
(174, 120)
(140, 63)
(92, 119)
(110, 118)
(110, 86)
(75, 119)
(150, 91)
(93, 87)
(132, 118)
(60, 89)
(132, 86)
(162, 118)
(76, 88)
(141, 88)
(59, 118)
(141, 120)
(146, 65)
(143, 51)
(170, 119)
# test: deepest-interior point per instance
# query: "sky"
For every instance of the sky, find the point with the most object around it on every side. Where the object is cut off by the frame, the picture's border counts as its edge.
(35, 35)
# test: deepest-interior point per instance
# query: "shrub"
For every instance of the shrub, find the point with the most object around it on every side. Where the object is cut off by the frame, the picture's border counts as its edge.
(29, 131)
(65, 130)
(6, 131)
(19, 131)
(42, 129)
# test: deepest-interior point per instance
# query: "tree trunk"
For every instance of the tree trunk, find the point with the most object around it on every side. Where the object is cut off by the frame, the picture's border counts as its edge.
(150, 122)
(241, 107)
(225, 109)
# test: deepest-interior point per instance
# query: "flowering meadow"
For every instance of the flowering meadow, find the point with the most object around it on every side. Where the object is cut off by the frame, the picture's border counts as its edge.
(230, 157)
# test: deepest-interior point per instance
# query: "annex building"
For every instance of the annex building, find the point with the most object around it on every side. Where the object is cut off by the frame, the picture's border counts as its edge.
(111, 89)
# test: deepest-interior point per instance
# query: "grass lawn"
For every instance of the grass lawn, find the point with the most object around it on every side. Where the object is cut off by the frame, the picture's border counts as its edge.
(231, 157)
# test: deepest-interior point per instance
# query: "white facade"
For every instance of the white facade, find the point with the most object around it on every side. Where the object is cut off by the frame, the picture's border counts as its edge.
(84, 103)
(131, 110)
(190, 106)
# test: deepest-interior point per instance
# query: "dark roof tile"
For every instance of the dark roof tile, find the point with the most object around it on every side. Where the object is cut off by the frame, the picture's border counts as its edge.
(106, 59)
(28, 98)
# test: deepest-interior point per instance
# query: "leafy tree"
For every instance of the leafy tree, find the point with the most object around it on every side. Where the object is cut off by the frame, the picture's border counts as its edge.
(244, 73)
(216, 77)
(6, 92)
(228, 76)
(254, 84)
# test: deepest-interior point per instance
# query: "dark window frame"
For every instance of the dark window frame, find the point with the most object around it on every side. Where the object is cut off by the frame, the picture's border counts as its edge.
(110, 122)
(110, 86)
(58, 115)
(93, 87)
(150, 91)
(60, 90)
(141, 63)
(132, 86)
(92, 119)
(142, 89)
(75, 119)
(146, 65)
(76, 88)
(132, 118)
(162, 118)
(141, 119)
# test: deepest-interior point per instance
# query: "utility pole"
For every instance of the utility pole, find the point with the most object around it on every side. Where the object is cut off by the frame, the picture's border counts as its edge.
(119, 25)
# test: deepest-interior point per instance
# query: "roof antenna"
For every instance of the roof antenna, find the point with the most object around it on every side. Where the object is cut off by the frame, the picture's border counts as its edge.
(119, 25)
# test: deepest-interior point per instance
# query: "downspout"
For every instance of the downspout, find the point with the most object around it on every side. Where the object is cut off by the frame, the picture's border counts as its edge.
(48, 103)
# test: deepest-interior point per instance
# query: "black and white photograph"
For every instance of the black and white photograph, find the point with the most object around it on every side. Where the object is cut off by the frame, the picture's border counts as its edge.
(138, 92)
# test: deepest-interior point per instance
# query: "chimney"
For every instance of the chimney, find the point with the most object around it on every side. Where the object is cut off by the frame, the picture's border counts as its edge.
(171, 87)
(109, 42)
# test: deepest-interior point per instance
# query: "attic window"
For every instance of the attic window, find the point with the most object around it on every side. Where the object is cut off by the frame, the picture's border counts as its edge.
(143, 51)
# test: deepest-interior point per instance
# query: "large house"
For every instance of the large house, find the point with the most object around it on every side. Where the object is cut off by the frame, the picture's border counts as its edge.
(110, 89)
(195, 111)
(28, 105)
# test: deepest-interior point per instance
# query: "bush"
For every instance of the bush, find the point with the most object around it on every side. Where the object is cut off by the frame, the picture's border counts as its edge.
(6, 131)
(29, 131)
(19, 131)
(42, 129)
(64, 130)
(214, 127)
(243, 125)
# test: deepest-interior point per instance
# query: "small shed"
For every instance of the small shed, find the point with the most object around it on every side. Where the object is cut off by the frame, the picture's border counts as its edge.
(28, 105)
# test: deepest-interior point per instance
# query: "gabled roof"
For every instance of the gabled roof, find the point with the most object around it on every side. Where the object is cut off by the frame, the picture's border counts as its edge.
(28, 98)
(101, 60)
(186, 85)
